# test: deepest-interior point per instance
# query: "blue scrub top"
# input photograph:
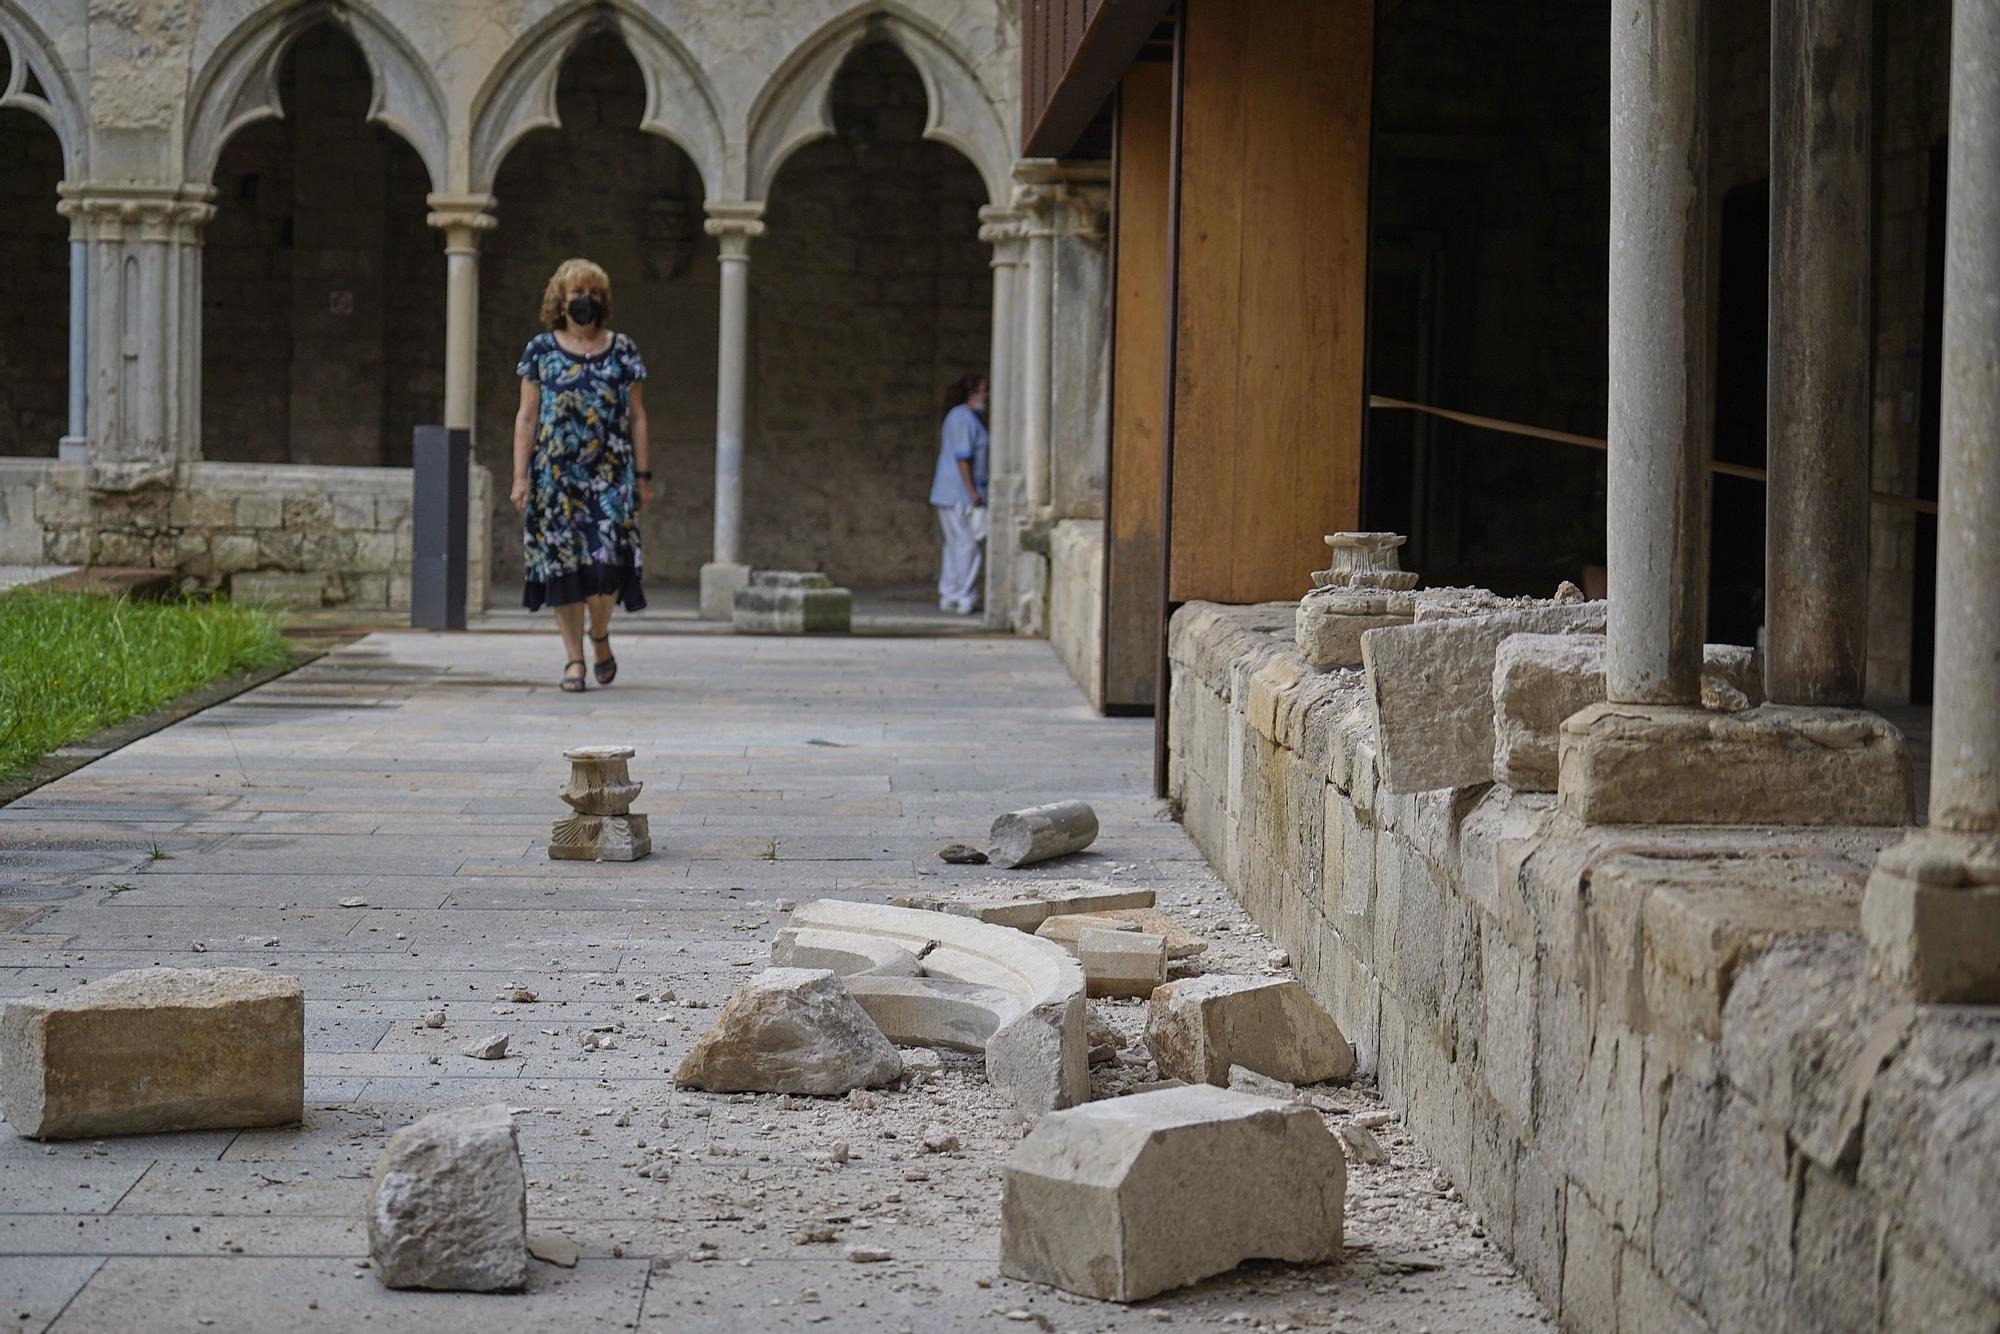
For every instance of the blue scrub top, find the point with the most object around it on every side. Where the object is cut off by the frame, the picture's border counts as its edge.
(963, 437)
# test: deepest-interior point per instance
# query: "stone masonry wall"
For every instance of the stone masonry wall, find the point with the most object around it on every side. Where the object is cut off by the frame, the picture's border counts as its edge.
(1648, 1058)
(34, 288)
(295, 536)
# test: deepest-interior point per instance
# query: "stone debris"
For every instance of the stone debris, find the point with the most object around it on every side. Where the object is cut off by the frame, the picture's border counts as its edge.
(961, 854)
(1121, 963)
(448, 1206)
(1028, 914)
(554, 1248)
(1249, 1081)
(1126, 1198)
(1198, 1027)
(939, 1139)
(791, 1030)
(435, 1019)
(792, 602)
(1361, 1145)
(1278, 959)
(155, 1049)
(601, 825)
(868, 1255)
(488, 1049)
(1040, 833)
(523, 996)
(354, 901)
(1181, 943)
(1064, 930)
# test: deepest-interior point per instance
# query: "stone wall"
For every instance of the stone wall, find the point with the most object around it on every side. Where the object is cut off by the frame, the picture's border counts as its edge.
(1076, 602)
(34, 288)
(294, 536)
(1648, 1058)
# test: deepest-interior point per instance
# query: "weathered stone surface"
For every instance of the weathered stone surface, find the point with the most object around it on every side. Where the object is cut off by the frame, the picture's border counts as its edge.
(448, 1206)
(1931, 914)
(600, 838)
(1199, 1027)
(791, 1030)
(1775, 764)
(1331, 621)
(1121, 963)
(1430, 687)
(1181, 942)
(1130, 1197)
(600, 780)
(1022, 838)
(784, 602)
(1065, 929)
(155, 1049)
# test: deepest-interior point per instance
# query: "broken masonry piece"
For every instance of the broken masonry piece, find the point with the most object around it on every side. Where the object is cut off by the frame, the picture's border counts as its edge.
(1022, 838)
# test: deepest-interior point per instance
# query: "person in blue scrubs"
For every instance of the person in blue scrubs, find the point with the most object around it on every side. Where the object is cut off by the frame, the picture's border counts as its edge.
(958, 493)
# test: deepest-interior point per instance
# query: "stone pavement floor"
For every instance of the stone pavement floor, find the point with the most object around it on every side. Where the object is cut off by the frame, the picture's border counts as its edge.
(418, 773)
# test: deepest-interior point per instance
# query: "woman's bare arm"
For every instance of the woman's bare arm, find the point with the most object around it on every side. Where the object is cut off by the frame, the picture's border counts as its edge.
(642, 443)
(526, 419)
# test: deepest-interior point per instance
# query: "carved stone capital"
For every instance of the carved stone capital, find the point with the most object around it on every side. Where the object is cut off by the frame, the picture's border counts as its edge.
(462, 219)
(118, 212)
(735, 226)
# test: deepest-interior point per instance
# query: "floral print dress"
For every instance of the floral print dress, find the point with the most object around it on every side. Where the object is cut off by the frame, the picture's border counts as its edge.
(581, 527)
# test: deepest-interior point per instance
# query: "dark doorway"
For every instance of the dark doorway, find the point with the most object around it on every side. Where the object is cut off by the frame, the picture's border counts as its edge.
(1742, 338)
(1923, 596)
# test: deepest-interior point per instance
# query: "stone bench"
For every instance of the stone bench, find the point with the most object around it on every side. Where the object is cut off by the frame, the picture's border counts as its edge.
(978, 986)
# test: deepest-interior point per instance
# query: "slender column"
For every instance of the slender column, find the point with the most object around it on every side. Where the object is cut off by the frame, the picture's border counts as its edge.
(733, 226)
(1004, 230)
(462, 219)
(74, 446)
(1965, 718)
(1816, 544)
(1658, 362)
(1037, 198)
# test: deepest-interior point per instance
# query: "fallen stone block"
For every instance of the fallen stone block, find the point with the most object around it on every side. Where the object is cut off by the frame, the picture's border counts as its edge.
(788, 602)
(1121, 963)
(1123, 1199)
(1028, 914)
(1430, 690)
(1023, 838)
(1181, 942)
(1249, 1081)
(791, 1030)
(1065, 929)
(155, 1049)
(448, 1206)
(1775, 764)
(1331, 621)
(1539, 680)
(492, 1048)
(1360, 1145)
(1198, 1027)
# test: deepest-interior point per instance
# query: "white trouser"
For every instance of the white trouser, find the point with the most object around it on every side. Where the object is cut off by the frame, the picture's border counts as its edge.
(958, 569)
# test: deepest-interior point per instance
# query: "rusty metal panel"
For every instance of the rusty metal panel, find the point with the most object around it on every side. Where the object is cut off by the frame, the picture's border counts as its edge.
(1073, 52)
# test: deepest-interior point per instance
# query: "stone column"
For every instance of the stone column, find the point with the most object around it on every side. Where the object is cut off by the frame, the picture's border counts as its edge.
(733, 226)
(142, 352)
(463, 219)
(1004, 230)
(75, 444)
(1659, 358)
(1816, 544)
(1931, 913)
(1036, 198)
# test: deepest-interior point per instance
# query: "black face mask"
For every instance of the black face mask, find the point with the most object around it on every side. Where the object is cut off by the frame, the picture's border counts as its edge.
(583, 310)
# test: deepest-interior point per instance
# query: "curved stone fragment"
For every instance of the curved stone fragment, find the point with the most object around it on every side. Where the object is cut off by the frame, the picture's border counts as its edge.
(791, 1030)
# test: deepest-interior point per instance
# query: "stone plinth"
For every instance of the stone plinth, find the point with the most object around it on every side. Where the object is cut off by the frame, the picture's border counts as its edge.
(155, 1049)
(1126, 1198)
(788, 602)
(720, 583)
(1775, 764)
(1931, 917)
(602, 826)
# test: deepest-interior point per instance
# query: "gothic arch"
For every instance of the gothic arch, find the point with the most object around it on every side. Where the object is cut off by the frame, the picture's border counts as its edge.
(239, 86)
(796, 106)
(520, 95)
(53, 99)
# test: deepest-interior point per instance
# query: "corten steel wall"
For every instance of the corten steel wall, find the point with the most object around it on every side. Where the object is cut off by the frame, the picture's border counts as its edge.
(1051, 32)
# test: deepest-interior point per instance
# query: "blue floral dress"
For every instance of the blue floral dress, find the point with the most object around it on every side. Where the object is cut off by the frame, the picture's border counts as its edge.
(581, 527)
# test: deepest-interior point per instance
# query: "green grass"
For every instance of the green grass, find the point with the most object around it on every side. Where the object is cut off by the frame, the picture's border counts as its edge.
(72, 665)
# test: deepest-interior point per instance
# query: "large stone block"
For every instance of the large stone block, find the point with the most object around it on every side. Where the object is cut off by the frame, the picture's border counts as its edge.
(791, 1030)
(1199, 1027)
(1431, 688)
(448, 1205)
(1121, 963)
(1130, 1197)
(1539, 680)
(786, 602)
(1775, 764)
(155, 1049)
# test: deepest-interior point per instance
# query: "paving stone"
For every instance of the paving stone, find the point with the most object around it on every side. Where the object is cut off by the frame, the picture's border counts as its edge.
(1198, 1027)
(448, 1204)
(155, 1049)
(1130, 1197)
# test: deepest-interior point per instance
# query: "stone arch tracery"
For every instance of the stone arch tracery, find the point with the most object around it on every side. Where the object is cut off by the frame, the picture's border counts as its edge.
(239, 86)
(681, 105)
(37, 83)
(796, 106)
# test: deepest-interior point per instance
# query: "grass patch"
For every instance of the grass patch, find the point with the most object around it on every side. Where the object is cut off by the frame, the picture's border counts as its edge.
(72, 665)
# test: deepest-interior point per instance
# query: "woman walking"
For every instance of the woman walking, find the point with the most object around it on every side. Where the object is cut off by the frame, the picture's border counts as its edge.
(958, 493)
(581, 466)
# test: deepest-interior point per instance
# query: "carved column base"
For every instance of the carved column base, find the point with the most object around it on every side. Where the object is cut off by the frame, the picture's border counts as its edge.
(1931, 917)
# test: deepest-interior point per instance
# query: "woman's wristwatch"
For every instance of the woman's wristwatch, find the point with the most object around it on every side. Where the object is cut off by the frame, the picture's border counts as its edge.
(645, 474)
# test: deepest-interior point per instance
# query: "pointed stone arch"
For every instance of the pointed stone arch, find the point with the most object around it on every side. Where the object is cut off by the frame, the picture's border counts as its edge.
(239, 85)
(38, 84)
(796, 106)
(520, 95)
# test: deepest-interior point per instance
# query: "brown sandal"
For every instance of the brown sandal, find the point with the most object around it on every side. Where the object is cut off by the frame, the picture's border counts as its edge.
(572, 685)
(606, 669)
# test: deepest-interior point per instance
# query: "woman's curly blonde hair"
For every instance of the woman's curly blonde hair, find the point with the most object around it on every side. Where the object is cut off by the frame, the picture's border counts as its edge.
(569, 274)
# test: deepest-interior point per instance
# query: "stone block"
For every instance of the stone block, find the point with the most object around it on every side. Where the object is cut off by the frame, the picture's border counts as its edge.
(1775, 764)
(155, 1049)
(1539, 680)
(1065, 930)
(1931, 914)
(448, 1205)
(1590, 1266)
(1331, 622)
(1431, 688)
(791, 1030)
(1198, 1027)
(256, 511)
(1121, 963)
(278, 588)
(720, 582)
(1124, 1199)
(791, 608)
